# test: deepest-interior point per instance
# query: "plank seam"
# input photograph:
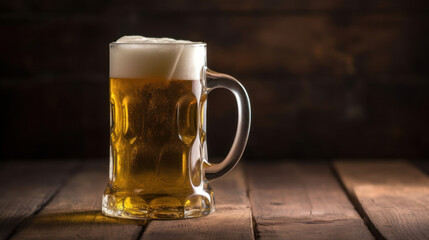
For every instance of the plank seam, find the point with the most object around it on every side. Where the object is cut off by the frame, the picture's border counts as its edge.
(256, 234)
(355, 202)
(54, 193)
(144, 227)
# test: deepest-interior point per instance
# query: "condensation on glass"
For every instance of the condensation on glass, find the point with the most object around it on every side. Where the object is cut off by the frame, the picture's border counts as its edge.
(159, 167)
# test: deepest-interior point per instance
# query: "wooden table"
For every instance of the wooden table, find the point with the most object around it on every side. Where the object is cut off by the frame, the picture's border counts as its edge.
(265, 200)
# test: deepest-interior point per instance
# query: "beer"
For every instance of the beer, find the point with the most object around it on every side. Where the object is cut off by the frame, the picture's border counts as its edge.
(155, 125)
(157, 136)
(158, 151)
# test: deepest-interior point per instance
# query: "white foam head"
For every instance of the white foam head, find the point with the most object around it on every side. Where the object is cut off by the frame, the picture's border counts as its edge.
(156, 58)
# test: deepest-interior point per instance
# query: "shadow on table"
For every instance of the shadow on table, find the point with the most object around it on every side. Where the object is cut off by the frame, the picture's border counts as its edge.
(81, 217)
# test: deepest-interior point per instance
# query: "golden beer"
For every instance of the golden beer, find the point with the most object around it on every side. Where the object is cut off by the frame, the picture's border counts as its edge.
(156, 145)
(158, 154)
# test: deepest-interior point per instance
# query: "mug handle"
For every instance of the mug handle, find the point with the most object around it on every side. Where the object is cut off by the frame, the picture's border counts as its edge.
(221, 80)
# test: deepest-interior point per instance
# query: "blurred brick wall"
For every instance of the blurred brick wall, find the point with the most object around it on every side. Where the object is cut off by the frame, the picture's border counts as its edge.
(326, 78)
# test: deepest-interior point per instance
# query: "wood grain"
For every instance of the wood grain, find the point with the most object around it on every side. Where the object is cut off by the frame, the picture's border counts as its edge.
(310, 66)
(232, 218)
(211, 6)
(301, 201)
(298, 51)
(75, 213)
(322, 45)
(25, 187)
(392, 195)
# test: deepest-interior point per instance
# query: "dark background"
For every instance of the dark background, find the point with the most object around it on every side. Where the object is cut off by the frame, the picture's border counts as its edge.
(326, 78)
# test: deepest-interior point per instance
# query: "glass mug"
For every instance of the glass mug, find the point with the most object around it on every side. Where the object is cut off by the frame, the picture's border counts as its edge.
(158, 151)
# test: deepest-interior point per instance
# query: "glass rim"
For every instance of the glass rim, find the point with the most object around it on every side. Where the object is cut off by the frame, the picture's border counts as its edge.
(193, 44)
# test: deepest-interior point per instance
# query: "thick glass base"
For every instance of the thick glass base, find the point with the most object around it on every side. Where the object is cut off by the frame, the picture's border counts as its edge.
(157, 206)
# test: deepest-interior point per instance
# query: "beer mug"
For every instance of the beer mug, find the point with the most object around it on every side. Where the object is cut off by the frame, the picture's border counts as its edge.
(158, 153)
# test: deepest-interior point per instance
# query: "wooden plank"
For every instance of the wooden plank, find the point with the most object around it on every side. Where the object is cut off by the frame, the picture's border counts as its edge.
(334, 45)
(301, 201)
(26, 186)
(75, 213)
(232, 218)
(365, 110)
(81, 7)
(392, 195)
(326, 63)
